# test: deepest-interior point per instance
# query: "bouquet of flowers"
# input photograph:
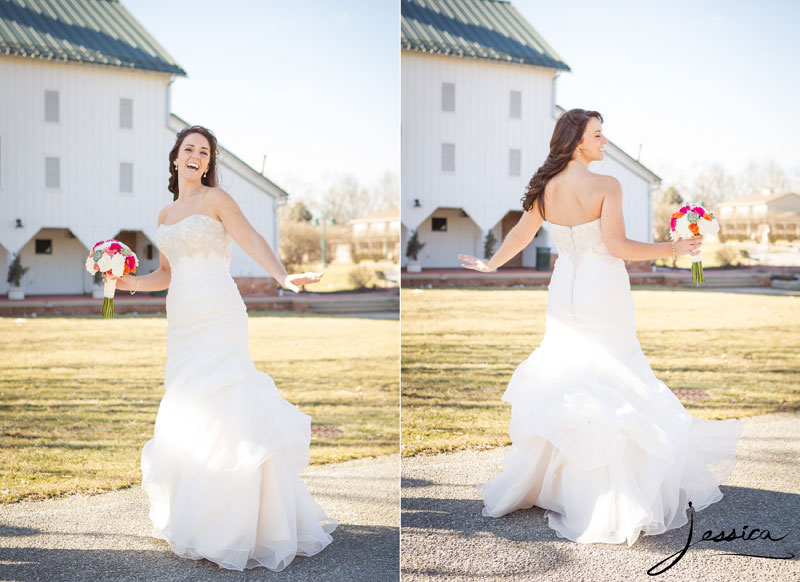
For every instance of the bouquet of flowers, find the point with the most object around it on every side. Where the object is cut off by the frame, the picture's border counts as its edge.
(111, 257)
(692, 221)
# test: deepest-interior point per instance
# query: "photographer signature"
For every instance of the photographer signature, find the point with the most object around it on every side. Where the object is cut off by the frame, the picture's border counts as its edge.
(708, 536)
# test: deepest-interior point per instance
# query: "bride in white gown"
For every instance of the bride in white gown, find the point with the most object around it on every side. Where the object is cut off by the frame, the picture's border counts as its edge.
(598, 441)
(222, 469)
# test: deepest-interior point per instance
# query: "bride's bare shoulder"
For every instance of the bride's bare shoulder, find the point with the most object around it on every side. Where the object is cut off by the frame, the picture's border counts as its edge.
(162, 214)
(607, 184)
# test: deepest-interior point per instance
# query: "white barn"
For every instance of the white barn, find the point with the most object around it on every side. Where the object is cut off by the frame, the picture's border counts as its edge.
(85, 130)
(478, 110)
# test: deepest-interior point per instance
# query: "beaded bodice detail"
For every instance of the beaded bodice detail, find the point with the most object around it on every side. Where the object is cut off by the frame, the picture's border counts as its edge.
(198, 236)
(575, 242)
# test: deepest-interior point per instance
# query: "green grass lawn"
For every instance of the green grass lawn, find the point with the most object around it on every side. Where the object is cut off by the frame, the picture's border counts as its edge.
(79, 395)
(460, 348)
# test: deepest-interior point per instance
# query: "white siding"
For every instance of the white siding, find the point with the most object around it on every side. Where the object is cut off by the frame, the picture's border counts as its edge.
(63, 271)
(98, 161)
(481, 129)
(442, 248)
(90, 146)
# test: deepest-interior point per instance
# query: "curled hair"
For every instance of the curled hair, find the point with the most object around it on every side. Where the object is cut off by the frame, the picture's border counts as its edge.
(566, 136)
(210, 178)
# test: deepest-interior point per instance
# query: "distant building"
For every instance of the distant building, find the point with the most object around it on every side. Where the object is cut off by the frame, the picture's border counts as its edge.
(377, 235)
(478, 110)
(758, 216)
(85, 132)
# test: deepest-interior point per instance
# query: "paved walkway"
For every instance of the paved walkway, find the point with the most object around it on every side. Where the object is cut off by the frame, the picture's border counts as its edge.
(445, 536)
(106, 537)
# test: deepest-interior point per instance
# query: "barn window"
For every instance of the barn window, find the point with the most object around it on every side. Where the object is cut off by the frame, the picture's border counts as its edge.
(52, 172)
(125, 177)
(515, 105)
(51, 106)
(514, 162)
(439, 224)
(126, 113)
(44, 246)
(448, 157)
(149, 252)
(448, 97)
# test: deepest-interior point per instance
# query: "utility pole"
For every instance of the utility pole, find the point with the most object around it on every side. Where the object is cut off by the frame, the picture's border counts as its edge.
(323, 241)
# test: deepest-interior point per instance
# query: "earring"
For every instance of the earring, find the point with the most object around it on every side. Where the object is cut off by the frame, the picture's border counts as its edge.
(176, 165)
(205, 173)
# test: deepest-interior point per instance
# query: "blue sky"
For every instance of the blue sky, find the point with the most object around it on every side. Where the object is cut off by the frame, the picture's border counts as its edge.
(694, 82)
(314, 85)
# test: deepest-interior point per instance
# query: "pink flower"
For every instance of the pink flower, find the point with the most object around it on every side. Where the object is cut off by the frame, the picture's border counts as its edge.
(685, 209)
(130, 260)
(115, 246)
(699, 210)
(672, 223)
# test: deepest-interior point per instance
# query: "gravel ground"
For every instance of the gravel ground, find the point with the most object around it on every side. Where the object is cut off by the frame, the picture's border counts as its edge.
(107, 536)
(444, 535)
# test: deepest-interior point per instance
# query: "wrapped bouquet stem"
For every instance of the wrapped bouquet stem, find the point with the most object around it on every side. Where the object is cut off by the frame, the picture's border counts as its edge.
(691, 221)
(115, 259)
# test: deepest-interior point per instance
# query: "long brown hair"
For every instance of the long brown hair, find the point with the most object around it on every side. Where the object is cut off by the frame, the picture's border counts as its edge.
(568, 132)
(210, 178)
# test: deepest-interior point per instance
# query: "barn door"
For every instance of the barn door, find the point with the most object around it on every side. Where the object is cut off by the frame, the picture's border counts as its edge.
(510, 220)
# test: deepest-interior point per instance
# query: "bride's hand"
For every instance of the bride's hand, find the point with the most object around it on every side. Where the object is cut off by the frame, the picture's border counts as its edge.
(294, 282)
(124, 283)
(474, 263)
(689, 246)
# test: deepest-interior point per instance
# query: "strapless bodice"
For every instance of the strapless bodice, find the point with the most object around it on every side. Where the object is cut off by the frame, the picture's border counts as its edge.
(198, 242)
(575, 242)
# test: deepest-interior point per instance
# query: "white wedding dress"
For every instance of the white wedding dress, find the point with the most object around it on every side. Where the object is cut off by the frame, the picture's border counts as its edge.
(598, 441)
(222, 469)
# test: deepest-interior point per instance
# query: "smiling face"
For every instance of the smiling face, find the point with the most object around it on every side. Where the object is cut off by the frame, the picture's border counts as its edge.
(194, 155)
(593, 142)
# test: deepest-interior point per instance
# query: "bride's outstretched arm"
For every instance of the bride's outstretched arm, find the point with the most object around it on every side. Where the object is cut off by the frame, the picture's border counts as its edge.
(245, 235)
(612, 226)
(517, 239)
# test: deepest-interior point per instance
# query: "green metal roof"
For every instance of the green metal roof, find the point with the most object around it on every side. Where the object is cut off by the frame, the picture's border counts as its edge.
(85, 31)
(484, 29)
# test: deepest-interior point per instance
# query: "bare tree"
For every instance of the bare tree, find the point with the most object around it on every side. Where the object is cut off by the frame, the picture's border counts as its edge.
(763, 175)
(665, 202)
(712, 186)
(346, 199)
(387, 192)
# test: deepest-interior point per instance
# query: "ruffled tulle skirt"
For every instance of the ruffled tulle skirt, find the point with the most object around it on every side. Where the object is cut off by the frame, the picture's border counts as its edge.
(598, 441)
(222, 469)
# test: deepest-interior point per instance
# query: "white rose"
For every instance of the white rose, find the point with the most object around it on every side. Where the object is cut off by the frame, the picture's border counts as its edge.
(104, 263)
(90, 264)
(117, 265)
(682, 228)
(708, 226)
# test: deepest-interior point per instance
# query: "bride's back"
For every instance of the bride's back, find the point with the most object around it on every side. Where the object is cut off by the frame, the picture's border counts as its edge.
(574, 196)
